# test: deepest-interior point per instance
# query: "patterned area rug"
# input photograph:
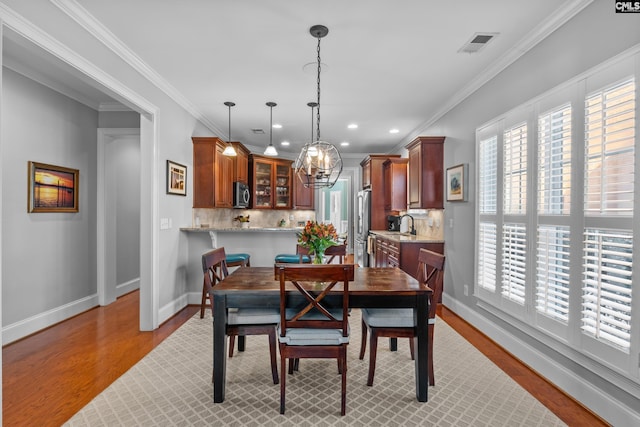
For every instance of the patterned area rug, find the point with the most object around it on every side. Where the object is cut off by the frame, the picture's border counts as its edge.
(172, 386)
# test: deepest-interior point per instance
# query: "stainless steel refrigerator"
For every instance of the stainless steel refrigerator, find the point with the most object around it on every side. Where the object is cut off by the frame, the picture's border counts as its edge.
(362, 228)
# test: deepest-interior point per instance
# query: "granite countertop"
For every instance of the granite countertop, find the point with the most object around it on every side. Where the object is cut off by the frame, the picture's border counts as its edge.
(405, 237)
(238, 229)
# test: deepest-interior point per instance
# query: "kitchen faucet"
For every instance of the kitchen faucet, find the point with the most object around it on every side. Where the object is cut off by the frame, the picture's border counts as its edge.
(413, 230)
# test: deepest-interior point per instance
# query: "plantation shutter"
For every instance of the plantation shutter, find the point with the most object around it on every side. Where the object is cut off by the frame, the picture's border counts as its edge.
(515, 170)
(514, 261)
(487, 256)
(552, 278)
(488, 175)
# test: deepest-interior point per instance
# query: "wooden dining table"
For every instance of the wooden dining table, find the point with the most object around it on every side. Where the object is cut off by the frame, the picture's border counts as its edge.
(371, 288)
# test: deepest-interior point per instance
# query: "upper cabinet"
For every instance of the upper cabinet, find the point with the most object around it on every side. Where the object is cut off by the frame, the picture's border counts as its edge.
(270, 181)
(373, 179)
(395, 184)
(426, 172)
(303, 197)
(214, 173)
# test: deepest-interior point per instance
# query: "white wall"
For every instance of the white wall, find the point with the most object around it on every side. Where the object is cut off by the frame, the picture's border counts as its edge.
(48, 258)
(593, 36)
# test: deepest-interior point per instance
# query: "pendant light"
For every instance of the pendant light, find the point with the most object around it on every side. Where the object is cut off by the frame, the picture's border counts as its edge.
(319, 164)
(229, 150)
(271, 150)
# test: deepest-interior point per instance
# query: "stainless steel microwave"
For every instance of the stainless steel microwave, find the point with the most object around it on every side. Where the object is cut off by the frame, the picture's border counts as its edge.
(241, 195)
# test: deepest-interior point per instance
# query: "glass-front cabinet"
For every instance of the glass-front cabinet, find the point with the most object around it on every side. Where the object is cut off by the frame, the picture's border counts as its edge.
(271, 183)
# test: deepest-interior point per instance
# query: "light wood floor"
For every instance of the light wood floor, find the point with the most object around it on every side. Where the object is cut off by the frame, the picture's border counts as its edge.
(51, 375)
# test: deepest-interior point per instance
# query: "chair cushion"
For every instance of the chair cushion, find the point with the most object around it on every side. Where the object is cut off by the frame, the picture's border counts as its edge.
(388, 317)
(291, 258)
(304, 336)
(237, 257)
(253, 316)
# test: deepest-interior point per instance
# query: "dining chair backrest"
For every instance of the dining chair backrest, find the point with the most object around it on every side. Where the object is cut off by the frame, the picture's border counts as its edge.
(314, 282)
(214, 266)
(332, 252)
(431, 273)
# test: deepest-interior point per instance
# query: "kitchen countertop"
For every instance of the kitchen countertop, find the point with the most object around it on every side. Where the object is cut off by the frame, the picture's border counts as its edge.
(404, 237)
(238, 229)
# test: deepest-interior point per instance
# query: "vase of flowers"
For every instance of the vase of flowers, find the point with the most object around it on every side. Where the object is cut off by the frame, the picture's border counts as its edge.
(243, 220)
(317, 238)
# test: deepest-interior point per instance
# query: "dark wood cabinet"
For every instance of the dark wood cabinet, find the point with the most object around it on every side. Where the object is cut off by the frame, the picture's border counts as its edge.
(395, 185)
(270, 181)
(391, 253)
(212, 174)
(303, 197)
(372, 171)
(241, 163)
(426, 172)
(223, 183)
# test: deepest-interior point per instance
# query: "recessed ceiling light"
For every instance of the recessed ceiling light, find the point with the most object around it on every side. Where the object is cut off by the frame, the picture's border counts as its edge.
(394, 130)
(344, 143)
(277, 126)
(285, 143)
(353, 126)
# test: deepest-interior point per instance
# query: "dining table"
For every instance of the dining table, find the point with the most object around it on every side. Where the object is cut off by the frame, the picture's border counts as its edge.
(372, 287)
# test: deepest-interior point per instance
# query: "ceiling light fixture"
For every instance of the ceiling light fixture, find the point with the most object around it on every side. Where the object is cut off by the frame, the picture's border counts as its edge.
(319, 164)
(271, 150)
(229, 150)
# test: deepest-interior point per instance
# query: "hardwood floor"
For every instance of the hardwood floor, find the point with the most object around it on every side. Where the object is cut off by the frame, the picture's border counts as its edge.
(51, 375)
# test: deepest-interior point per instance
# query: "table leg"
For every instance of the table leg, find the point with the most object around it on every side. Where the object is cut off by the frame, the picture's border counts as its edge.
(393, 344)
(219, 347)
(421, 341)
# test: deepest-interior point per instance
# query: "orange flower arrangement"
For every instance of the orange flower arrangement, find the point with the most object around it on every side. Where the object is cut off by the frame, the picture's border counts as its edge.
(317, 238)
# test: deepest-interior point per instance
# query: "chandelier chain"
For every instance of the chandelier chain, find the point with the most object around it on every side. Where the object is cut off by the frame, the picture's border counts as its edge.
(318, 106)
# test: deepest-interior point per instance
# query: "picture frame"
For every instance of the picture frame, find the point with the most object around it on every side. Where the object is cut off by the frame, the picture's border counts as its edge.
(457, 183)
(52, 188)
(176, 178)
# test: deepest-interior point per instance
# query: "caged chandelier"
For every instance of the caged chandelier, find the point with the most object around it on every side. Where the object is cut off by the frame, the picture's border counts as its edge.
(319, 164)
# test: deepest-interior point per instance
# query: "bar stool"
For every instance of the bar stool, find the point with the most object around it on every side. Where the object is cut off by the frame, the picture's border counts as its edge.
(300, 257)
(238, 260)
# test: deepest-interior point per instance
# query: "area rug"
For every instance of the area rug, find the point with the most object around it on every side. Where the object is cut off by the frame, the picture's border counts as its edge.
(172, 386)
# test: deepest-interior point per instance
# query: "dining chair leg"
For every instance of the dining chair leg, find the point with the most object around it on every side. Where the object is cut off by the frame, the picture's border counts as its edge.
(232, 341)
(373, 350)
(412, 349)
(283, 380)
(343, 401)
(432, 381)
(363, 343)
(272, 350)
(203, 303)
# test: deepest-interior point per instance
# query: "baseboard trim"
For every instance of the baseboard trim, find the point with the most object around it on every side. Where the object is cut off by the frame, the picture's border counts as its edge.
(588, 394)
(173, 307)
(125, 288)
(30, 325)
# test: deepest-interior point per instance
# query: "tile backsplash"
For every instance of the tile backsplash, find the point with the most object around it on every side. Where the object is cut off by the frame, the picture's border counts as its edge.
(429, 223)
(223, 218)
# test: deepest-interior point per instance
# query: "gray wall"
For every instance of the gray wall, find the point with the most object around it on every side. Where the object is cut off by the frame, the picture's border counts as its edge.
(593, 36)
(48, 258)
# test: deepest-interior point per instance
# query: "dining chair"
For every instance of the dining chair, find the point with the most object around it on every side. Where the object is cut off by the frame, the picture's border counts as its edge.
(339, 251)
(240, 321)
(399, 322)
(313, 329)
(301, 256)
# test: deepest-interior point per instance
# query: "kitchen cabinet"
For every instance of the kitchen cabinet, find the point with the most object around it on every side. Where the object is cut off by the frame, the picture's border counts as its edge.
(372, 178)
(395, 185)
(212, 174)
(303, 197)
(270, 182)
(241, 163)
(390, 252)
(426, 172)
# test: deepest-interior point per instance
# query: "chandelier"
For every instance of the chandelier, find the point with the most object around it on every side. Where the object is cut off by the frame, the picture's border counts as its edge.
(229, 150)
(319, 164)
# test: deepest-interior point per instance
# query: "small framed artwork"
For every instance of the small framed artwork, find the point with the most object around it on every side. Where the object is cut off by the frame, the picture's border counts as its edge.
(457, 183)
(52, 188)
(176, 178)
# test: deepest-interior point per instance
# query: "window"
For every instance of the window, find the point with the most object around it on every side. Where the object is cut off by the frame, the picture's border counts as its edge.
(555, 221)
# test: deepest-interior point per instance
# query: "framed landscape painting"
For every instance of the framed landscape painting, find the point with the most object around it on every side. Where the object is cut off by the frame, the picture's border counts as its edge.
(52, 188)
(176, 178)
(457, 183)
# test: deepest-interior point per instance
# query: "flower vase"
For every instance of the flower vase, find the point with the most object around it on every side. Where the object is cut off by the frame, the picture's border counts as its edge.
(318, 258)
(244, 224)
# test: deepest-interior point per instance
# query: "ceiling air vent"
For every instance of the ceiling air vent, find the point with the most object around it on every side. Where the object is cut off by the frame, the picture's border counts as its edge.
(477, 42)
(258, 131)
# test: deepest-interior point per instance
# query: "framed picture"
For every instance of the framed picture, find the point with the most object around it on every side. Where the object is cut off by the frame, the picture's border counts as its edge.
(457, 183)
(52, 188)
(176, 178)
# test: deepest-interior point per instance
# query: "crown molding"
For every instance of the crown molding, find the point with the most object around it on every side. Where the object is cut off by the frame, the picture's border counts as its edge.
(87, 21)
(558, 18)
